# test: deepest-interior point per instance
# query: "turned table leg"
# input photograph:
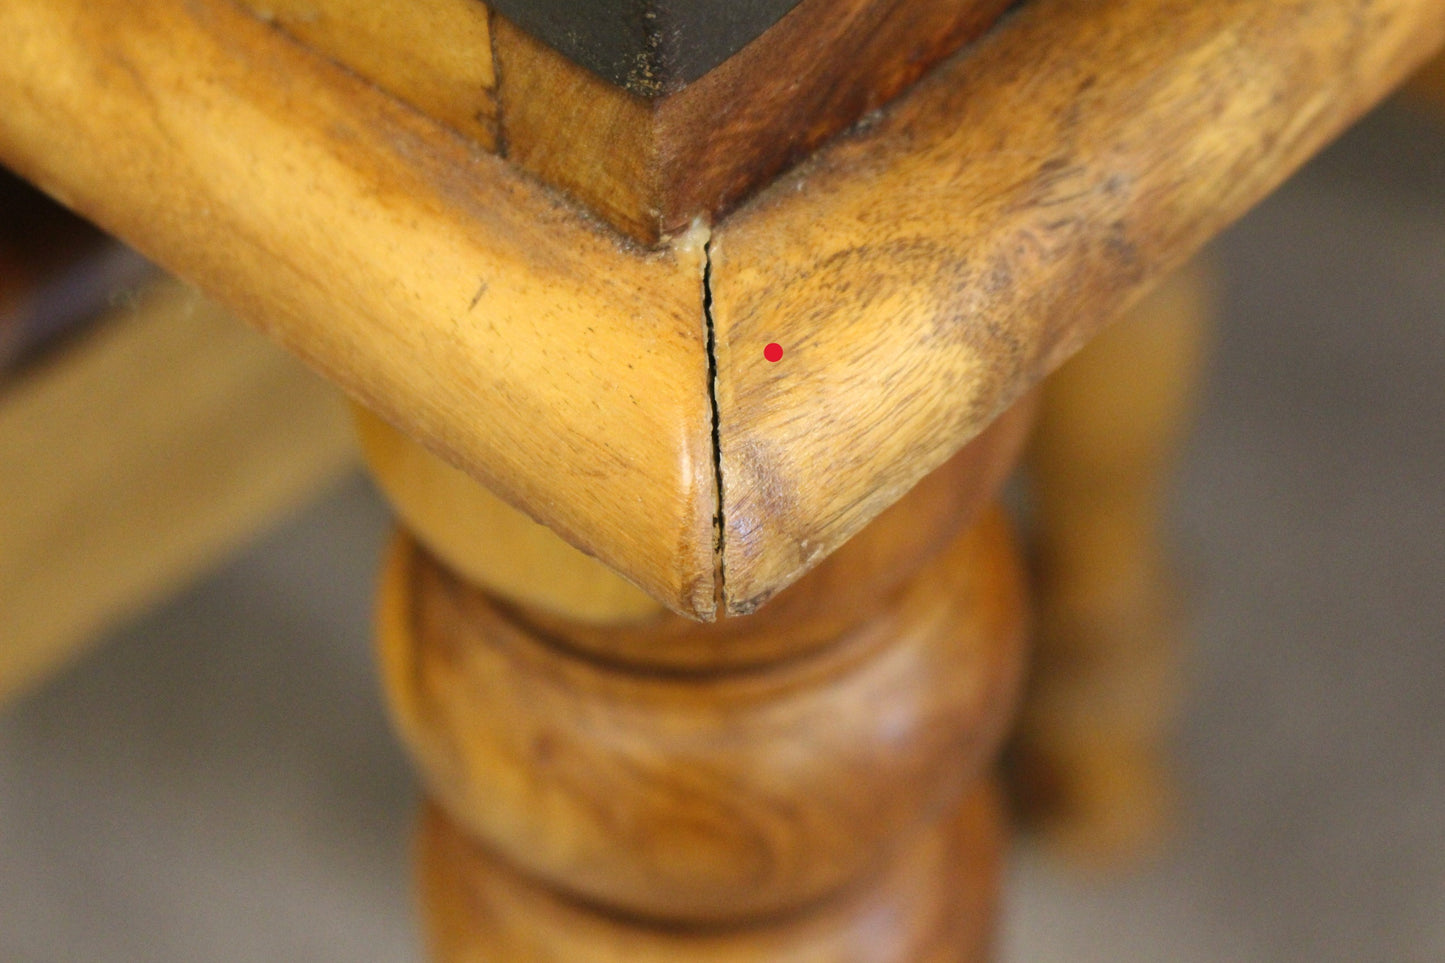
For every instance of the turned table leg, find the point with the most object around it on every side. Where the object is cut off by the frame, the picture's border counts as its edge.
(1091, 762)
(608, 781)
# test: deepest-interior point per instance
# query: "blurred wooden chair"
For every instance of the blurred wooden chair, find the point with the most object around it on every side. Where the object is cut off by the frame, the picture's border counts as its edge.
(144, 435)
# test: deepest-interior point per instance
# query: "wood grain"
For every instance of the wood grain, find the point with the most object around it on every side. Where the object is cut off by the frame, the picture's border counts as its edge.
(133, 458)
(704, 797)
(557, 591)
(444, 290)
(934, 902)
(435, 55)
(651, 166)
(924, 272)
(847, 589)
(920, 273)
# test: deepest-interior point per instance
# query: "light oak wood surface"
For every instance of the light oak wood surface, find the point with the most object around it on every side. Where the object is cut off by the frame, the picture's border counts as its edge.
(561, 593)
(920, 273)
(763, 793)
(134, 457)
(923, 273)
(444, 290)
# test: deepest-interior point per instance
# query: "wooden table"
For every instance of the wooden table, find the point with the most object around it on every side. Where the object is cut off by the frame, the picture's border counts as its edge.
(549, 248)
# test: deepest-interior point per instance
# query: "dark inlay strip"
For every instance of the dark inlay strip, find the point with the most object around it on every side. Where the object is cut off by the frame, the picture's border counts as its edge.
(650, 47)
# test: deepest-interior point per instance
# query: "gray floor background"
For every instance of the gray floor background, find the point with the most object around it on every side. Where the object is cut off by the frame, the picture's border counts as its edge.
(217, 783)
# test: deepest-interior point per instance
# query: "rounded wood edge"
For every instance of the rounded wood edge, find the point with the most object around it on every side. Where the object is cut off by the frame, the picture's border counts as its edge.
(711, 797)
(435, 283)
(844, 590)
(937, 262)
(782, 546)
(934, 902)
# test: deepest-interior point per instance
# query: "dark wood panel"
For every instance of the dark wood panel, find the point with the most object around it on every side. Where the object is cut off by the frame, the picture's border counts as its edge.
(56, 271)
(650, 47)
(650, 167)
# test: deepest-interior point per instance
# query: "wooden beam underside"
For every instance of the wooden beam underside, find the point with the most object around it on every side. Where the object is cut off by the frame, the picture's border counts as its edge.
(921, 272)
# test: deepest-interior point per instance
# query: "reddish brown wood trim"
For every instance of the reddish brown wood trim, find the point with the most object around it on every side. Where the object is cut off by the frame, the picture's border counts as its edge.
(650, 167)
